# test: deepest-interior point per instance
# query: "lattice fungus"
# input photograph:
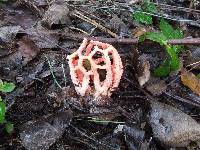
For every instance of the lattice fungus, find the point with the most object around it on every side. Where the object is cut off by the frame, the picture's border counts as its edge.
(95, 68)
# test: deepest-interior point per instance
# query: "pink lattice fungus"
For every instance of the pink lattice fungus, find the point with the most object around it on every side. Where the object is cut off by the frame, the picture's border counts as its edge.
(95, 68)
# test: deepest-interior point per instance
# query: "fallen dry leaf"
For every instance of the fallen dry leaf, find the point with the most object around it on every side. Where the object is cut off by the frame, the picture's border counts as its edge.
(27, 49)
(42, 37)
(190, 80)
(57, 14)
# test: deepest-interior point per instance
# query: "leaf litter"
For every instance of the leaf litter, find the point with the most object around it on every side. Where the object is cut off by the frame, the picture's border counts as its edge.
(37, 36)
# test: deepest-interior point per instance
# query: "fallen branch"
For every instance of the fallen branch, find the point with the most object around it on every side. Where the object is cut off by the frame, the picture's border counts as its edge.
(192, 41)
(132, 41)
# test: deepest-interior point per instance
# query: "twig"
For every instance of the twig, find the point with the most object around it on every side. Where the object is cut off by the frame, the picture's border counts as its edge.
(162, 15)
(166, 16)
(169, 17)
(92, 139)
(194, 64)
(85, 12)
(177, 8)
(191, 41)
(80, 30)
(130, 8)
(93, 22)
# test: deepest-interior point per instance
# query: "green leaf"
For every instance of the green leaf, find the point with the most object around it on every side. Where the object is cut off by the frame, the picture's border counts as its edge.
(156, 37)
(175, 63)
(149, 7)
(9, 127)
(178, 34)
(163, 70)
(7, 87)
(2, 112)
(178, 48)
(174, 59)
(141, 17)
(166, 29)
(172, 63)
(142, 38)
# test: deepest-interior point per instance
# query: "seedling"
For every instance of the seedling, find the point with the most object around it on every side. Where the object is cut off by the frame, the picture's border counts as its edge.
(172, 62)
(5, 87)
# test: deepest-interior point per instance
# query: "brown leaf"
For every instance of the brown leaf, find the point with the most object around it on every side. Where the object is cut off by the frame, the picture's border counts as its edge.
(57, 14)
(190, 80)
(27, 49)
(43, 37)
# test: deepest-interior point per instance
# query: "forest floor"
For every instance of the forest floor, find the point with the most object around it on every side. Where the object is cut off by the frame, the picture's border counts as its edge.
(144, 112)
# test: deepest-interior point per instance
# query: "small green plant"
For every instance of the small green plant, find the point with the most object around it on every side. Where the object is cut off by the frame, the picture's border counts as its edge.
(172, 62)
(141, 16)
(5, 87)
